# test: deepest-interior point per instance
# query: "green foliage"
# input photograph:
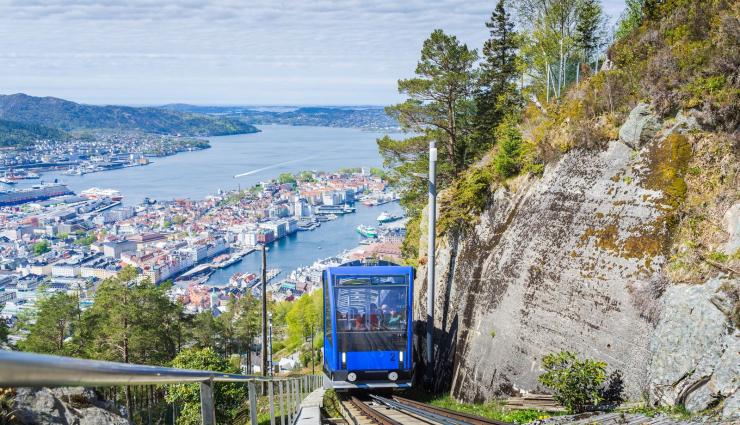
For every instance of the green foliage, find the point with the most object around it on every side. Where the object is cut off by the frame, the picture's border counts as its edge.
(493, 410)
(496, 94)
(631, 18)
(228, 397)
(439, 107)
(304, 320)
(350, 170)
(86, 240)
(55, 320)
(677, 411)
(378, 172)
(466, 199)
(575, 383)
(66, 115)
(286, 178)
(131, 321)
(41, 247)
(19, 134)
(508, 159)
(588, 34)
(306, 176)
(4, 331)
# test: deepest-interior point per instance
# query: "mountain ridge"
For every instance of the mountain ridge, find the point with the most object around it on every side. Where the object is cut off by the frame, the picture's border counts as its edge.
(66, 115)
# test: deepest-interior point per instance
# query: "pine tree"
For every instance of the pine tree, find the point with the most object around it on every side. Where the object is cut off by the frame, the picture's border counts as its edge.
(588, 27)
(508, 158)
(54, 322)
(497, 89)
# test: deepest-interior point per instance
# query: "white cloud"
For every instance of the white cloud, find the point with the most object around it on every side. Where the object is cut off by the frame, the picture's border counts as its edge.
(227, 51)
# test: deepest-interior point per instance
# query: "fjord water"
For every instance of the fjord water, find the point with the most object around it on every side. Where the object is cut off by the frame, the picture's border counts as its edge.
(274, 150)
(262, 156)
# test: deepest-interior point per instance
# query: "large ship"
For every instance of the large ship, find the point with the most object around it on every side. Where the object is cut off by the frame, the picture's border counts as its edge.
(35, 193)
(97, 193)
(367, 231)
(385, 217)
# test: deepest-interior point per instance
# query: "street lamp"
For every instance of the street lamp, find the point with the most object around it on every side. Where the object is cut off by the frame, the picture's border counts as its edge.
(313, 351)
(269, 320)
(264, 314)
(432, 211)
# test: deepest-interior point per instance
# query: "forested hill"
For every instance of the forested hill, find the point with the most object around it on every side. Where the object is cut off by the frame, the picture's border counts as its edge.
(14, 133)
(325, 116)
(66, 115)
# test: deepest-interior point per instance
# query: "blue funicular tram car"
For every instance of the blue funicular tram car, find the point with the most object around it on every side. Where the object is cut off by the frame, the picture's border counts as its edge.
(368, 326)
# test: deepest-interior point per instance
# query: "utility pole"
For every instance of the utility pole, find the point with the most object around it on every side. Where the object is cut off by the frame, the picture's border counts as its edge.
(430, 257)
(264, 311)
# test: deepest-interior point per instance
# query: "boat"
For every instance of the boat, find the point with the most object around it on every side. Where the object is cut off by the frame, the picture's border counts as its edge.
(367, 231)
(386, 217)
(35, 193)
(7, 180)
(332, 216)
(97, 193)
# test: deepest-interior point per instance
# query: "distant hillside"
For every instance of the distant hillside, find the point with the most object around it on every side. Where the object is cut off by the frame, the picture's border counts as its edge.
(14, 133)
(329, 116)
(66, 115)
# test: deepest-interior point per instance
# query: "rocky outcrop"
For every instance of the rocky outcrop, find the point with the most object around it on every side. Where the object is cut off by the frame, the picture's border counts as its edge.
(695, 349)
(641, 126)
(576, 260)
(64, 406)
(567, 262)
(732, 224)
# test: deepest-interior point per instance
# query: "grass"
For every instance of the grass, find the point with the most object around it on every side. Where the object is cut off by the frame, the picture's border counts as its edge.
(492, 410)
(677, 412)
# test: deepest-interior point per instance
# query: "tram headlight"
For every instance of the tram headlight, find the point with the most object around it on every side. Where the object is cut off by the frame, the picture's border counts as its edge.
(351, 377)
(393, 376)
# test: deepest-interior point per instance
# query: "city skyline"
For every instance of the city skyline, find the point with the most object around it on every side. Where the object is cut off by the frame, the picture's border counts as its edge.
(223, 52)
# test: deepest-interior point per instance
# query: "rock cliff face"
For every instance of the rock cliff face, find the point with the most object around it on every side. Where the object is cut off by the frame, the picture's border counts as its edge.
(576, 260)
(79, 406)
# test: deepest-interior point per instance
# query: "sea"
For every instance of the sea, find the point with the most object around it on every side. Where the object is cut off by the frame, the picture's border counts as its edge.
(253, 158)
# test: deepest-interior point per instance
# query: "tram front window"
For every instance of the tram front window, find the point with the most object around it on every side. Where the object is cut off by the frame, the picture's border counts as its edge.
(372, 313)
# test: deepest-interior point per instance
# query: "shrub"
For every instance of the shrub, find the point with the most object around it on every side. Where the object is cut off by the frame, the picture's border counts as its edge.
(508, 158)
(41, 248)
(575, 383)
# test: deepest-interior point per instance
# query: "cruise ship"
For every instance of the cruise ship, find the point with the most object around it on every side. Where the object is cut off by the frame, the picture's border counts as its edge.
(97, 193)
(35, 193)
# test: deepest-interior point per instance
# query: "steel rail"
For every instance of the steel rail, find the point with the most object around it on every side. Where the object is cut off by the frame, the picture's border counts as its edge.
(466, 417)
(372, 414)
(418, 411)
(20, 369)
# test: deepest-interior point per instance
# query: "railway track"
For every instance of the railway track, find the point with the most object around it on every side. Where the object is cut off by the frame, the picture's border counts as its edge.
(378, 410)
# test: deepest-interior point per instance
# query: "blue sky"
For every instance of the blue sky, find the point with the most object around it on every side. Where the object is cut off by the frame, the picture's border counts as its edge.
(275, 52)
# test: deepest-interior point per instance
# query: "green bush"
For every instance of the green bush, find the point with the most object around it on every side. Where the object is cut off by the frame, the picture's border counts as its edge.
(575, 383)
(508, 160)
(41, 248)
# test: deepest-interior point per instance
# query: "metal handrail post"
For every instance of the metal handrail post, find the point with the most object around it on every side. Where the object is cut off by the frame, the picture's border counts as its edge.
(271, 398)
(289, 394)
(252, 403)
(280, 402)
(207, 404)
(296, 396)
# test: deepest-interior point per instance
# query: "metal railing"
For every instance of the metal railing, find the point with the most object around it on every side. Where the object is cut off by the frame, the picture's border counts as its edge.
(19, 369)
